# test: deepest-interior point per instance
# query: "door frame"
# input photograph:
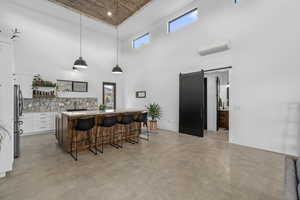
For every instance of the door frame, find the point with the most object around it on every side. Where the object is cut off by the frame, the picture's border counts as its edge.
(218, 88)
(205, 104)
(115, 92)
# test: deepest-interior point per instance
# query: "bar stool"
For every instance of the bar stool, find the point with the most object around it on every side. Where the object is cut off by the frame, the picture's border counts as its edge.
(82, 132)
(142, 121)
(107, 130)
(128, 129)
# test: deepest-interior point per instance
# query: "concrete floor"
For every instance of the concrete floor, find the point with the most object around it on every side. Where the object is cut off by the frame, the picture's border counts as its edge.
(169, 167)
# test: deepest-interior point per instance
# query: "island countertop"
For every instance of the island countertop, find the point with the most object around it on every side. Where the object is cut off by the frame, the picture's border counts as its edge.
(77, 114)
(66, 121)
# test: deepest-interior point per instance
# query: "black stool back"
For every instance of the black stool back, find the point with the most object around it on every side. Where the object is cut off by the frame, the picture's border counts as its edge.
(127, 119)
(85, 124)
(109, 121)
(143, 118)
(108, 124)
(129, 124)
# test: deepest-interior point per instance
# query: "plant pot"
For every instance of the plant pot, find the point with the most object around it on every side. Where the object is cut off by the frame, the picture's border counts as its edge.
(153, 125)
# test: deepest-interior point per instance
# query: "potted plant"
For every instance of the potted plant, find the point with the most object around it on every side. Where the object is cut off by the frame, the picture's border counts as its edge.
(39, 82)
(102, 107)
(154, 112)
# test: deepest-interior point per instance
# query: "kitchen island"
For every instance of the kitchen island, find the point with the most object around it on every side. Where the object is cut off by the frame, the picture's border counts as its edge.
(66, 121)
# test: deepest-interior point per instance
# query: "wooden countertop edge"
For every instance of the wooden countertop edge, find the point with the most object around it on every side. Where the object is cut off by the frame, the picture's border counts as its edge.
(97, 113)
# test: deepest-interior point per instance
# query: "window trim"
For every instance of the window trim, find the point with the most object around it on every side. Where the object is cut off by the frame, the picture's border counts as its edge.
(186, 13)
(148, 33)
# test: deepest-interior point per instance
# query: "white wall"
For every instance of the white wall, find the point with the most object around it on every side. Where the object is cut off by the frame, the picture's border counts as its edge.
(264, 80)
(49, 45)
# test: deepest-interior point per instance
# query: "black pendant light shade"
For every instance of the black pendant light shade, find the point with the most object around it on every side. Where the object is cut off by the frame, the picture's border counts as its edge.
(117, 70)
(80, 63)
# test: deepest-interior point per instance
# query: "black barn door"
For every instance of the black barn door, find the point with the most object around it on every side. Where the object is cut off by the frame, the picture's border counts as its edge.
(191, 103)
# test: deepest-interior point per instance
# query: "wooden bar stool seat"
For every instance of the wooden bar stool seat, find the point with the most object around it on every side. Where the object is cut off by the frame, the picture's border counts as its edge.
(82, 133)
(128, 128)
(108, 132)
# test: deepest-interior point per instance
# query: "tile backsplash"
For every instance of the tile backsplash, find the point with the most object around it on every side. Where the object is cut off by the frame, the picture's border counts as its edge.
(59, 104)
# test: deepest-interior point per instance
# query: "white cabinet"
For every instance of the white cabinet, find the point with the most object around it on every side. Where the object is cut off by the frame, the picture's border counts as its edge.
(35, 123)
(27, 125)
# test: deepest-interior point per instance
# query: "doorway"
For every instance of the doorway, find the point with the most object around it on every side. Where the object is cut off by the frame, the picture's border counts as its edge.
(109, 95)
(204, 103)
(217, 108)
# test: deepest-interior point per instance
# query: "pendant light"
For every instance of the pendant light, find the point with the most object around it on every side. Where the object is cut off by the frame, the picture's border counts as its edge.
(117, 69)
(80, 63)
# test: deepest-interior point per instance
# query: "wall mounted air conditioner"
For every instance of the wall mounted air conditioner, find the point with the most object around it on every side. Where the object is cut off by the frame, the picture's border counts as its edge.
(214, 49)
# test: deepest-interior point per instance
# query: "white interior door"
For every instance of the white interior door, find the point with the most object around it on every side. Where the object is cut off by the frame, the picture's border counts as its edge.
(6, 106)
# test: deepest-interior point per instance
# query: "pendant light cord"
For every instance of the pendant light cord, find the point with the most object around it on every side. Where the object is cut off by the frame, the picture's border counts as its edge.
(117, 32)
(80, 35)
(117, 45)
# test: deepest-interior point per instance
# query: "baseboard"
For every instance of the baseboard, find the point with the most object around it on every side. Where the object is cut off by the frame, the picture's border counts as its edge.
(38, 133)
(264, 149)
(170, 131)
(2, 175)
(246, 146)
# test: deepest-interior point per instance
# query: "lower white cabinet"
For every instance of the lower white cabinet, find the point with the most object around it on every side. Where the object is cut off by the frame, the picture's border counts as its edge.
(36, 123)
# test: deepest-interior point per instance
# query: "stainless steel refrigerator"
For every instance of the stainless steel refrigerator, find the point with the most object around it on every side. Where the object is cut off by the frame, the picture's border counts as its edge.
(18, 111)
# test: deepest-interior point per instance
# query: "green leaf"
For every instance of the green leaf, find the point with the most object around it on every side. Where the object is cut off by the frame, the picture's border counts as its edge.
(154, 111)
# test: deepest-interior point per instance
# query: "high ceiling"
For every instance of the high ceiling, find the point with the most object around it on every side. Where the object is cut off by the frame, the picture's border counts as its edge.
(99, 9)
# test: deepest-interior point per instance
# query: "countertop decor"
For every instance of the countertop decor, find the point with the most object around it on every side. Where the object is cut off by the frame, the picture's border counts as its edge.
(39, 82)
(102, 107)
(42, 88)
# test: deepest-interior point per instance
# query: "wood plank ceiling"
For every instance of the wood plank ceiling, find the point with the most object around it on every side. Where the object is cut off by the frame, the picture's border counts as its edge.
(98, 9)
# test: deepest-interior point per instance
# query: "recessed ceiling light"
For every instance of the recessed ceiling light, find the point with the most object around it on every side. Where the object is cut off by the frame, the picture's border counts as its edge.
(109, 13)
